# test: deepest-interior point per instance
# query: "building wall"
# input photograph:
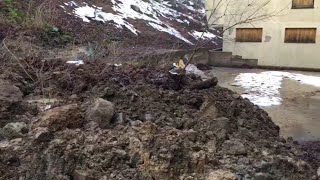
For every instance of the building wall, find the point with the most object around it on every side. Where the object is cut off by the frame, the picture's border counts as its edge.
(272, 51)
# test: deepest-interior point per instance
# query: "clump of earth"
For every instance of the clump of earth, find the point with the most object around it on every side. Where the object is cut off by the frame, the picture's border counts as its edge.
(99, 121)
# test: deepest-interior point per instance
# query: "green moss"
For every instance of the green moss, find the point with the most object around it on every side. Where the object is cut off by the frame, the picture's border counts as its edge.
(13, 13)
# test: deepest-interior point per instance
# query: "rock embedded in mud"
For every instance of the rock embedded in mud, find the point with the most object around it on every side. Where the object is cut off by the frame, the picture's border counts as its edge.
(120, 118)
(244, 160)
(43, 135)
(192, 135)
(9, 94)
(263, 176)
(221, 175)
(101, 111)
(82, 175)
(205, 84)
(14, 130)
(234, 147)
(222, 125)
(148, 117)
(60, 118)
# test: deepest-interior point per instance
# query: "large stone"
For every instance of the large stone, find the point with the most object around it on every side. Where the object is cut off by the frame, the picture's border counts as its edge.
(101, 111)
(221, 175)
(9, 94)
(82, 175)
(136, 8)
(222, 125)
(43, 135)
(263, 176)
(234, 147)
(191, 134)
(60, 118)
(14, 130)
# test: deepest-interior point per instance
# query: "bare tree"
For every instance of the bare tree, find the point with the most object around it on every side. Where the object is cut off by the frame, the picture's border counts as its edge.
(173, 3)
(197, 3)
(226, 14)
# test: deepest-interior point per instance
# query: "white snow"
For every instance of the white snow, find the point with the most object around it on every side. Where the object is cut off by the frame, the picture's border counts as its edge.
(117, 65)
(203, 35)
(123, 10)
(169, 30)
(77, 62)
(46, 107)
(263, 88)
(86, 13)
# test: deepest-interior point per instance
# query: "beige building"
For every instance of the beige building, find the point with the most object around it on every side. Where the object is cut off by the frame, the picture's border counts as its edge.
(280, 33)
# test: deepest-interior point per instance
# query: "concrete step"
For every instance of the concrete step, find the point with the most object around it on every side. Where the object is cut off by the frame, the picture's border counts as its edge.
(219, 58)
(244, 63)
(227, 59)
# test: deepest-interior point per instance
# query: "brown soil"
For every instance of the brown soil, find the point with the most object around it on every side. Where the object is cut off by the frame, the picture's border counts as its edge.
(170, 128)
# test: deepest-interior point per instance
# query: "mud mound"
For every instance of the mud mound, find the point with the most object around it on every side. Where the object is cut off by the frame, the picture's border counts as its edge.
(162, 127)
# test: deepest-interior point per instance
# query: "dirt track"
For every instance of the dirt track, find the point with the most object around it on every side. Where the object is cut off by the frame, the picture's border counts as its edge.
(298, 115)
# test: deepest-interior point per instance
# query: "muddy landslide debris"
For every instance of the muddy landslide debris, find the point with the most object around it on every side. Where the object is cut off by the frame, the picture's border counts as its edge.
(118, 123)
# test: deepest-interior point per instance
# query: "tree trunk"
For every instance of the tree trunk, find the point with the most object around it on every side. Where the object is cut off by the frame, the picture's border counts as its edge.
(174, 3)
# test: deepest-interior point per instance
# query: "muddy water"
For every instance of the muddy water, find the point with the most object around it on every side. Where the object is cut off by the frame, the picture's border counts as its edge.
(299, 113)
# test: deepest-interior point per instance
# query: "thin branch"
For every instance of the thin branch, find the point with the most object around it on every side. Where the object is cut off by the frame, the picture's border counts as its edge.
(250, 19)
(17, 60)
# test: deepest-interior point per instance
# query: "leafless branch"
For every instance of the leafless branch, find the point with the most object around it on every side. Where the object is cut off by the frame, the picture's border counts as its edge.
(16, 59)
(248, 15)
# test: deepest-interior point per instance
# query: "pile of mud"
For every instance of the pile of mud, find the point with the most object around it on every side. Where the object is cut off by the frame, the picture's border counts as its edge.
(107, 122)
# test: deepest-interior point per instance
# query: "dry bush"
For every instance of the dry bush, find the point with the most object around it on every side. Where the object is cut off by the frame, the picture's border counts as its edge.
(41, 16)
(28, 14)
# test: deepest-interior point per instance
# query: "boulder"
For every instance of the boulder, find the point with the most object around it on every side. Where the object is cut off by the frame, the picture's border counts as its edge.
(221, 175)
(136, 8)
(43, 135)
(212, 82)
(101, 111)
(263, 176)
(60, 118)
(14, 130)
(82, 175)
(234, 147)
(9, 94)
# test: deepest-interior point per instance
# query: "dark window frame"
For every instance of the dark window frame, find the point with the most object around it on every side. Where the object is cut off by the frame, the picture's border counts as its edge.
(238, 40)
(287, 40)
(297, 7)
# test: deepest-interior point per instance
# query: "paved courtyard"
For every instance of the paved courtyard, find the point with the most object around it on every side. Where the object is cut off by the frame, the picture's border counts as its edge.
(292, 98)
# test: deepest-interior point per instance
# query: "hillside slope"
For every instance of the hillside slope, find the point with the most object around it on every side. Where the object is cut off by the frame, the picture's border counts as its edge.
(139, 17)
(139, 22)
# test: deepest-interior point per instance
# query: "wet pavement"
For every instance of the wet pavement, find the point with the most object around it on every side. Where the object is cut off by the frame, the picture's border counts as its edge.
(291, 98)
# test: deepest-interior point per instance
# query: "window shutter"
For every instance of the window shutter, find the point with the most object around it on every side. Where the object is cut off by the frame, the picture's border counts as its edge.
(249, 35)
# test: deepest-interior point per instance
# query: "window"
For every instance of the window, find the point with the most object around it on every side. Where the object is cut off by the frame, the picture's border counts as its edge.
(300, 35)
(302, 4)
(249, 35)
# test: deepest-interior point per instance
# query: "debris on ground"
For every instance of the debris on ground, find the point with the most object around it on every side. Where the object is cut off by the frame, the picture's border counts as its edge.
(129, 122)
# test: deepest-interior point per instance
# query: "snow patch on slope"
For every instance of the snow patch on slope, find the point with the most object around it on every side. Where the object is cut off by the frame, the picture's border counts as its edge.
(203, 35)
(169, 30)
(263, 88)
(152, 12)
(86, 13)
